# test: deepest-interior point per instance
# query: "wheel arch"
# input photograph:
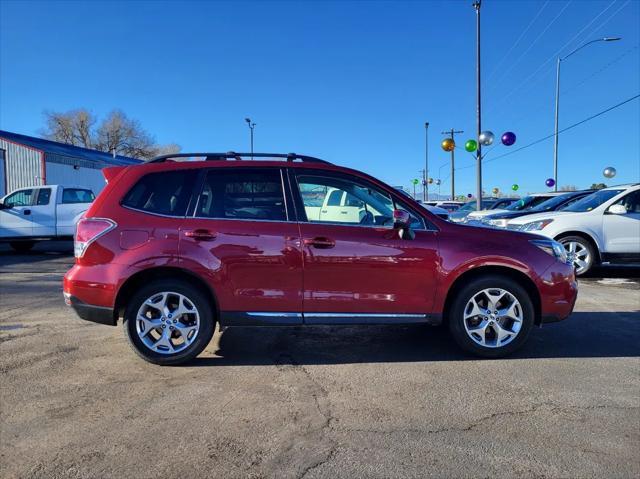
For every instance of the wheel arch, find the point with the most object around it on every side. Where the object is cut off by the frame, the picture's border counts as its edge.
(586, 236)
(161, 272)
(521, 278)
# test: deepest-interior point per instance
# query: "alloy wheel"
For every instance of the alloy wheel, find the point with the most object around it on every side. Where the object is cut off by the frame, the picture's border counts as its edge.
(578, 254)
(493, 317)
(167, 322)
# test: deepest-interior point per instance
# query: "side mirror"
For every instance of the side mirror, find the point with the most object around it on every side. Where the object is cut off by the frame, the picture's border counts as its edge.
(3, 206)
(617, 210)
(402, 223)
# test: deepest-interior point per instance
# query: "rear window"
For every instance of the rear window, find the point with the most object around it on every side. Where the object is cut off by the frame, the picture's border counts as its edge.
(77, 195)
(242, 194)
(166, 193)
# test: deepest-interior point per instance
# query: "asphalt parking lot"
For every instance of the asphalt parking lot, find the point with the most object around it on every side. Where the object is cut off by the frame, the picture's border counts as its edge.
(75, 401)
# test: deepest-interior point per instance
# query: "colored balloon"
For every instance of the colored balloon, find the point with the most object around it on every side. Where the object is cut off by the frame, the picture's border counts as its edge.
(430, 180)
(550, 182)
(609, 172)
(515, 187)
(438, 182)
(471, 145)
(469, 195)
(486, 138)
(448, 144)
(508, 138)
(495, 191)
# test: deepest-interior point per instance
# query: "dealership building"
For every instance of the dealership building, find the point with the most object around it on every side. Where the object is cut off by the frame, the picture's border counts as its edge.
(29, 161)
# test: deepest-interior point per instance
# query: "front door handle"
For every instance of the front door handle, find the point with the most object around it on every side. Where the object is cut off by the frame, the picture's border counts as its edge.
(320, 242)
(26, 212)
(200, 235)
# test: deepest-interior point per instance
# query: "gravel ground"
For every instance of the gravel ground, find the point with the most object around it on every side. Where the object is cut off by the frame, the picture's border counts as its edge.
(319, 402)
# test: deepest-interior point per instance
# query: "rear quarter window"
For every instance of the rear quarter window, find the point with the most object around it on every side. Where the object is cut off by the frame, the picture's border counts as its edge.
(77, 195)
(164, 193)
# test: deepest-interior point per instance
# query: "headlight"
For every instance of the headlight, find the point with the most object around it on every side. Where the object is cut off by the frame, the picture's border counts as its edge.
(498, 223)
(535, 225)
(553, 248)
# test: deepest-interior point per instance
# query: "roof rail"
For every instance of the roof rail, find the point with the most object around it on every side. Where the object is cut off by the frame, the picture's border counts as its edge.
(290, 157)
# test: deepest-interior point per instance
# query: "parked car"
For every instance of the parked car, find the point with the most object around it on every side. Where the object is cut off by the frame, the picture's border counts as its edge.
(450, 206)
(555, 203)
(601, 228)
(41, 213)
(172, 247)
(441, 212)
(487, 204)
(520, 204)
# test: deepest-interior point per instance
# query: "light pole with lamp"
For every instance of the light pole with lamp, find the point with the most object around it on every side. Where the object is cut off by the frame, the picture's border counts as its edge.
(426, 161)
(555, 136)
(251, 127)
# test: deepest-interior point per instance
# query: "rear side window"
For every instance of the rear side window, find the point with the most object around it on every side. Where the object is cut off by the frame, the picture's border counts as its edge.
(77, 195)
(166, 193)
(247, 194)
(44, 195)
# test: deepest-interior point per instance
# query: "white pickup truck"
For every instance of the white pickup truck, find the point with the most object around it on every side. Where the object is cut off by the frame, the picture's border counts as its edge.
(39, 213)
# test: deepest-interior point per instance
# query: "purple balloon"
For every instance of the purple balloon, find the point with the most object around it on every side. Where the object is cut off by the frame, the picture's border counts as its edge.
(550, 182)
(469, 195)
(509, 138)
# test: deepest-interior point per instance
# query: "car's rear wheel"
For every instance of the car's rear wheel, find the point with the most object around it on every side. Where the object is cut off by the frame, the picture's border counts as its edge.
(491, 316)
(168, 322)
(580, 252)
(22, 246)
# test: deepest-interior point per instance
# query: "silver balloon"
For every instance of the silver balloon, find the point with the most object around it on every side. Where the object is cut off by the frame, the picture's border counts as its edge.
(438, 182)
(486, 138)
(609, 172)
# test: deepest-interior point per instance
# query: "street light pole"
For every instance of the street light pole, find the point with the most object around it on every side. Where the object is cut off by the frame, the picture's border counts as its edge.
(425, 179)
(557, 114)
(476, 5)
(251, 127)
(452, 133)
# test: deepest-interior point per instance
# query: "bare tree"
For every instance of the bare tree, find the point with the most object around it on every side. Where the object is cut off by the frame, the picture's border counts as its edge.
(116, 134)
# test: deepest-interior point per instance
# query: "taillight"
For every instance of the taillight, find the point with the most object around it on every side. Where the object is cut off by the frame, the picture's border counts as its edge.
(87, 231)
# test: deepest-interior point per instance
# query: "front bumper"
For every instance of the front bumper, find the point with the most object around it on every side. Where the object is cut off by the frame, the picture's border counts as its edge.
(89, 312)
(558, 292)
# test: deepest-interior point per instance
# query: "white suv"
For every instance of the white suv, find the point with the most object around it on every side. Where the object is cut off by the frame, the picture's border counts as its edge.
(603, 227)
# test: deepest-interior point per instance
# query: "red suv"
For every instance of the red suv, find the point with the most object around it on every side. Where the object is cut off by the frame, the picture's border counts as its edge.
(177, 244)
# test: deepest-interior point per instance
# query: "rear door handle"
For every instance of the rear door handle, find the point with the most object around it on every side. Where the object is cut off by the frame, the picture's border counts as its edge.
(200, 235)
(320, 242)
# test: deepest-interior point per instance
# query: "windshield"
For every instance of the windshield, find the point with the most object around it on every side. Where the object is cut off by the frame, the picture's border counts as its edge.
(526, 203)
(552, 203)
(592, 201)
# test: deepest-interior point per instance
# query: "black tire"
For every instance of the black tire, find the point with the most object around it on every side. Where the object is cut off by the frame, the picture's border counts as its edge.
(196, 296)
(463, 296)
(586, 244)
(22, 246)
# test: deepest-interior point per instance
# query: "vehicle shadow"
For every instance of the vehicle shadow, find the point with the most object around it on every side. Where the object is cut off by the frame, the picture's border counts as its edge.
(583, 335)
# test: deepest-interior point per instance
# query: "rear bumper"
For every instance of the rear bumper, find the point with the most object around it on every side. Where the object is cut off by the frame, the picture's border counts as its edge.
(89, 312)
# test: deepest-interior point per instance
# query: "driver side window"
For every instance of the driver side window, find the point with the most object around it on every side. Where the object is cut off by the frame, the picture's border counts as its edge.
(335, 200)
(19, 198)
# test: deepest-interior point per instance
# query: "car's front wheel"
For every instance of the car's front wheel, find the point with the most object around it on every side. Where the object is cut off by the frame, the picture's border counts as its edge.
(580, 252)
(491, 316)
(22, 246)
(168, 322)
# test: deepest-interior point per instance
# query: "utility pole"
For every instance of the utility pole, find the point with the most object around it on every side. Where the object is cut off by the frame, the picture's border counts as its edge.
(451, 134)
(425, 179)
(476, 5)
(251, 127)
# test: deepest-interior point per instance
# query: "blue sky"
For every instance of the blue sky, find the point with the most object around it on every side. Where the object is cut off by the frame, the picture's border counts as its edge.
(351, 82)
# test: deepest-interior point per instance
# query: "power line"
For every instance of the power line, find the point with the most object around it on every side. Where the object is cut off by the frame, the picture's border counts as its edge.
(506, 55)
(513, 64)
(555, 55)
(560, 131)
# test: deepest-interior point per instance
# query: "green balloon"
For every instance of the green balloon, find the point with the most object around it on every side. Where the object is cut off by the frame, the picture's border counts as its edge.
(515, 187)
(471, 145)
